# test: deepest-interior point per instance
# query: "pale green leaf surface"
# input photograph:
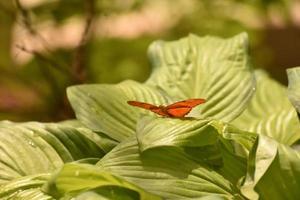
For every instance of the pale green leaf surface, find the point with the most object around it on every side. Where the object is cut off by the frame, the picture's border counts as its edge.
(244, 138)
(233, 166)
(294, 86)
(156, 131)
(212, 68)
(166, 172)
(73, 122)
(273, 171)
(194, 67)
(104, 107)
(194, 136)
(235, 145)
(270, 112)
(199, 139)
(25, 188)
(73, 179)
(32, 148)
(212, 197)
(107, 193)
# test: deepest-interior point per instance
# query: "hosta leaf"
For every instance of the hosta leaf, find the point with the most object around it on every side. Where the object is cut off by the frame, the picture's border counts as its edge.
(166, 172)
(211, 68)
(32, 148)
(205, 67)
(73, 122)
(156, 132)
(235, 147)
(194, 136)
(270, 112)
(294, 86)
(74, 179)
(104, 107)
(233, 166)
(199, 139)
(106, 193)
(243, 140)
(25, 188)
(273, 171)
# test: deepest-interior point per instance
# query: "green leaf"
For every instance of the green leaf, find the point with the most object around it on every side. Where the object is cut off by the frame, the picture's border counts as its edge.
(243, 138)
(194, 136)
(33, 148)
(294, 86)
(199, 139)
(156, 132)
(72, 122)
(205, 67)
(166, 171)
(193, 67)
(25, 188)
(270, 112)
(235, 147)
(104, 107)
(273, 171)
(73, 179)
(107, 193)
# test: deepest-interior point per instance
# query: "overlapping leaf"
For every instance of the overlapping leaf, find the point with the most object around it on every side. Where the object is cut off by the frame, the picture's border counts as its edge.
(199, 139)
(33, 148)
(270, 112)
(194, 136)
(207, 67)
(273, 171)
(235, 147)
(166, 172)
(294, 86)
(155, 132)
(25, 188)
(104, 107)
(75, 180)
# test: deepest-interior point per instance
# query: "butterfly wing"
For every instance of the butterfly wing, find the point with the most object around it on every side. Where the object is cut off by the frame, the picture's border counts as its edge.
(187, 103)
(182, 108)
(147, 106)
(178, 112)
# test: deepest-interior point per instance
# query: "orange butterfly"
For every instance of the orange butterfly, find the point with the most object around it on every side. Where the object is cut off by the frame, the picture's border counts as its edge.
(176, 110)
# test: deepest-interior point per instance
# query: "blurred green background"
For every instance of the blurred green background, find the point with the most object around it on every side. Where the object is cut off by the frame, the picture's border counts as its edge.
(48, 45)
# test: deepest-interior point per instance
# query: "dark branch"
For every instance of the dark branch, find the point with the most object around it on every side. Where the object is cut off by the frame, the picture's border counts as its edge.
(43, 58)
(25, 18)
(78, 64)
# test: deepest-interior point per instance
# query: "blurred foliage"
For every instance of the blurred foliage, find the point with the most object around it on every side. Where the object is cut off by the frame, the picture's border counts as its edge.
(126, 62)
(35, 89)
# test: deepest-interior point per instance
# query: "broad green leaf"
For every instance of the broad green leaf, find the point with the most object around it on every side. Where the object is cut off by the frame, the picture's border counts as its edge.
(166, 171)
(194, 136)
(211, 197)
(205, 67)
(33, 148)
(235, 147)
(294, 86)
(104, 108)
(243, 140)
(233, 166)
(199, 139)
(273, 171)
(74, 179)
(107, 193)
(25, 188)
(73, 122)
(156, 132)
(211, 68)
(270, 112)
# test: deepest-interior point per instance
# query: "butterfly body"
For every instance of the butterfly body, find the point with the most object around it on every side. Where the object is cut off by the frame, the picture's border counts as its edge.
(176, 110)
